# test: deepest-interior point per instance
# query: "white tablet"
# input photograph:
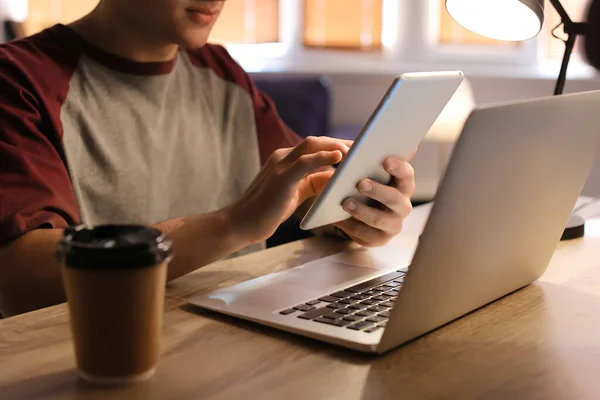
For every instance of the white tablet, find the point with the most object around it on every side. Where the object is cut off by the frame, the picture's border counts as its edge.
(401, 120)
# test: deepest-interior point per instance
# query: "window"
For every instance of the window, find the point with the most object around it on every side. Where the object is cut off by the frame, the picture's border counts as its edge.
(242, 21)
(247, 21)
(344, 24)
(45, 13)
(374, 36)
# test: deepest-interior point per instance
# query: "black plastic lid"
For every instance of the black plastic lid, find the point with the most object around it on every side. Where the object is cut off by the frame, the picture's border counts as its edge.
(575, 228)
(113, 246)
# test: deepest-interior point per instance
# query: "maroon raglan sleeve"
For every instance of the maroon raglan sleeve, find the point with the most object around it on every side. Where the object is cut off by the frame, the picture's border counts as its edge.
(35, 188)
(272, 132)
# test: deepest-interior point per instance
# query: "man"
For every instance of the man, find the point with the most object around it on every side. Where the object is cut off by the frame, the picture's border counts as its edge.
(128, 116)
(12, 15)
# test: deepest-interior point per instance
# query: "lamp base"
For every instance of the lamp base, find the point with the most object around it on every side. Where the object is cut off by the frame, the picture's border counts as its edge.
(575, 228)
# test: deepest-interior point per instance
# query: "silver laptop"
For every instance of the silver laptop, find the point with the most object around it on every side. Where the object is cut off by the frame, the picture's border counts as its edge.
(512, 181)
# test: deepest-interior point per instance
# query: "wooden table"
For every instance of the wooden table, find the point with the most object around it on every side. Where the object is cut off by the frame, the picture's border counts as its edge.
(542, 342)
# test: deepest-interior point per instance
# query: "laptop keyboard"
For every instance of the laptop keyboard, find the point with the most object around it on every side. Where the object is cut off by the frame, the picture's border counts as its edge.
(363, 307)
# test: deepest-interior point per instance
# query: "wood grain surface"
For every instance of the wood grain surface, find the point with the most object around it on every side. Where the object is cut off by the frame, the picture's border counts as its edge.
(542, 342)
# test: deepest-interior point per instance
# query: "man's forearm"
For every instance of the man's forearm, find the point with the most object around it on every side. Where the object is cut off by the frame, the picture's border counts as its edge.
(30, 276)
(29, 273)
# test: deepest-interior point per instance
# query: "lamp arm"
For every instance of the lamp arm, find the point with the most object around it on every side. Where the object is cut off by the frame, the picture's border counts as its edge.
(562, 76)
(572, 29)
(562, 12)
(575, 226)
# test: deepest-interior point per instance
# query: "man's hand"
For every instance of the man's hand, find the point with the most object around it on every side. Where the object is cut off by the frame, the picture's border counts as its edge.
(371, 226)
(287, 180)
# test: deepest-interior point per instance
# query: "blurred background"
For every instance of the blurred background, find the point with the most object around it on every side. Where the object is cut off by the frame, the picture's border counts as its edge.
(326, 63)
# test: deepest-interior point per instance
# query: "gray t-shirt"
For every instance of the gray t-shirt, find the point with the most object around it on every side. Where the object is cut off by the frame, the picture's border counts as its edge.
(90, 137)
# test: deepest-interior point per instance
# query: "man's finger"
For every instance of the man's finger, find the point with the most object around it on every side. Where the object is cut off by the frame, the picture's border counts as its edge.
(390, 196)
(379, 219)
(362, 233)
(278, 155)
(313, 184)
(308, 163)
(403, 175)
(313, 144)
(347, 142)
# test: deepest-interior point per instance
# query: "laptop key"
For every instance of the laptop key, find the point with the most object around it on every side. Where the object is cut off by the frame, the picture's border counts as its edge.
(358, 306)
(369, 292)
(359, 297)
(376, 318)
(351, 318)
(347, 301)
(385, 314)
(315, 313)
(333, 315)
(374, 282)
(394, 292)
(335, 305)
(312, 302)
(343, 294)
(381, 288)
(345, 311)
(328, 299)
(286, 312)
(379, 298)
(334, 322)
(392, 284)
(373, 329)
(377, 309)
(369, 302)
(387, 304)
(360, 325)
(304, 307)
(365, 313)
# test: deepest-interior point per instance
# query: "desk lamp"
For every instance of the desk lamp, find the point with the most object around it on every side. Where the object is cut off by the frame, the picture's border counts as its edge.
(517, 20)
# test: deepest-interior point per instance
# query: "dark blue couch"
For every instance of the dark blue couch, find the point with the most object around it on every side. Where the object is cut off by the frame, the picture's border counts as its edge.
(304, 104)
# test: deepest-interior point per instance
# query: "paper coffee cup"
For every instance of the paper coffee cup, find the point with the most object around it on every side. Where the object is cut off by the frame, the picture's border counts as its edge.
(114, 278)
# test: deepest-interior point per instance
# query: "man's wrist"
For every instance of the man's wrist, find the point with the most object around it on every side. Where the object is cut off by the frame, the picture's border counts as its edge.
(233, 228)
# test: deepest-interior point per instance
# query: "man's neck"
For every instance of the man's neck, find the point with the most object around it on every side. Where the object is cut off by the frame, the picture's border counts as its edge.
(108, 31)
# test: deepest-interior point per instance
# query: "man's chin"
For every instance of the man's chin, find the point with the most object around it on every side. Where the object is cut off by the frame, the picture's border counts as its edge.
(195, 41)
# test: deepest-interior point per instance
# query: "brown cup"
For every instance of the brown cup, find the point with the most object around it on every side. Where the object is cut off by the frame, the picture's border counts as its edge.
(114, 278)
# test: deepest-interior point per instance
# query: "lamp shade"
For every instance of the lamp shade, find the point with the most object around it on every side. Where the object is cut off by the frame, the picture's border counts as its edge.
(510, 20)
